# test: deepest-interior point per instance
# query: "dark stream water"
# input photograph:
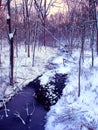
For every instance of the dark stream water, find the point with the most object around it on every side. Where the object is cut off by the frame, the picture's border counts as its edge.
(19, 103)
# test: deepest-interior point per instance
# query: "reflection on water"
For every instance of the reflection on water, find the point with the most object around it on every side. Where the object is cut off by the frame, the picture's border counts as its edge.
(24, 113)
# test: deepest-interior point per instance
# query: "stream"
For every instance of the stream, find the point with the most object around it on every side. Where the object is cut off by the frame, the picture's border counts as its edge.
(23, 111)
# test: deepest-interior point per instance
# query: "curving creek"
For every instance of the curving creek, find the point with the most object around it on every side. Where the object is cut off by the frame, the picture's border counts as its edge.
(23, 111)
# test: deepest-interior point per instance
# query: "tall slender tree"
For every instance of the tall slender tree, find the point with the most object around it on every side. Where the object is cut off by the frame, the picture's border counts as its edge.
(10, 36)
(42, 7)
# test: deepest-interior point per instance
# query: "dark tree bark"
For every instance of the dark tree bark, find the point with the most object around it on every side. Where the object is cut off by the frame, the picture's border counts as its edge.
(79, 74)
(93, 27)
(83, 41)
(27, 27)
(96, 18)
(10, 35)
(16, 18)
(44, 22)
(0, 2)
(42, 8)
(93, 16)
(35, 41)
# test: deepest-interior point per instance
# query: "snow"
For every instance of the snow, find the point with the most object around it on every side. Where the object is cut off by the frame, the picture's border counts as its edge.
(11, 35)
(24, 72)
(8, 17)
(45, 77)
(72, 112)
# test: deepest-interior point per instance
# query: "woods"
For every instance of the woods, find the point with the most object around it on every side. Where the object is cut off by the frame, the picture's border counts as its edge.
(31, 23)
(51, 45)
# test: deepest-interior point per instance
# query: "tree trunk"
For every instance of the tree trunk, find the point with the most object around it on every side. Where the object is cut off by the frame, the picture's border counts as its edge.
(83, 41)
(44, 22)
(97, 42)
(10, 42)
(35, 37)
(93, 16)
(92, 43)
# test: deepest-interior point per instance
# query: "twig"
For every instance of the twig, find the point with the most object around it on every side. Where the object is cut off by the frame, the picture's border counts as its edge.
(17, 114)
(27, 109)
(29, 115)
(1, 117)
(65, 60)
(5, 108)
(33, 109)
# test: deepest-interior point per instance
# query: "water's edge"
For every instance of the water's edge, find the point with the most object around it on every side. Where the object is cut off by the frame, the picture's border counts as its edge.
(24, 112)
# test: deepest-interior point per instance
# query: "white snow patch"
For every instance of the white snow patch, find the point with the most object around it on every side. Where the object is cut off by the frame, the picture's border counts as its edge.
(11, 35)
(44, 79)
(24, 72)
(8, 17)
(72, 112)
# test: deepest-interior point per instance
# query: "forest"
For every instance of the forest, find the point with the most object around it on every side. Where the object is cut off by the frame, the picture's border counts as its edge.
(49, 49)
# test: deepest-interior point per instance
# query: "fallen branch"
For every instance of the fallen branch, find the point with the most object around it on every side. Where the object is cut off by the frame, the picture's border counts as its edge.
(5, 108)
(17, 114)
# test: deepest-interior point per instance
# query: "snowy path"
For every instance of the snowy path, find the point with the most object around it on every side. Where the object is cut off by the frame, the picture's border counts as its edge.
(19, 104)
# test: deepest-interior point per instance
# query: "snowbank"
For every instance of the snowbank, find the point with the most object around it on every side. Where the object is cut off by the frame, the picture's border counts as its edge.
(24, 72)
(72, 112)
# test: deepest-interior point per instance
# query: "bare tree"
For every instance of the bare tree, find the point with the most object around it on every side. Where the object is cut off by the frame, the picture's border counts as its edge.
(27, 7)
(95, 4)
(93, 27)
(10, 36)
(43, 7)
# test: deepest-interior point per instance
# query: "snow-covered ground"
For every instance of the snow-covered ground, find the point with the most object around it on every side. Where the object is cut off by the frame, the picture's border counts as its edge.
(72, 112)
(23, 70)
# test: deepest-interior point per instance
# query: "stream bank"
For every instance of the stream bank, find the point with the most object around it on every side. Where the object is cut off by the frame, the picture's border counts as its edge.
(24, 112)
(27, 110)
